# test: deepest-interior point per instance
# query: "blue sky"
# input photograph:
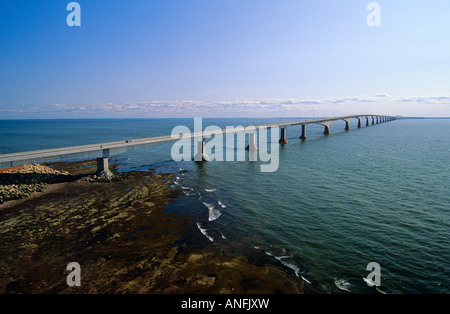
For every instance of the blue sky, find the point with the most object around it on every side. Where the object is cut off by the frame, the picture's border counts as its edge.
(248, 58)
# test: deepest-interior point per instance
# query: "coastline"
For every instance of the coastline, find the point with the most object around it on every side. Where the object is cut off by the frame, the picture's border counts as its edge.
(123, 240)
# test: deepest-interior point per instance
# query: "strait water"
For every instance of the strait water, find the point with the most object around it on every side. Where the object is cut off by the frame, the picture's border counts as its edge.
(336, 203)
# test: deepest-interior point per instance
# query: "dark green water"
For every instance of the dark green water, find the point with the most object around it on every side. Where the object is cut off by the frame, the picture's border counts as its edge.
(336, 203)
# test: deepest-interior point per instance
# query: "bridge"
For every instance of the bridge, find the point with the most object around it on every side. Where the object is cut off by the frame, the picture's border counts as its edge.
(104, 150)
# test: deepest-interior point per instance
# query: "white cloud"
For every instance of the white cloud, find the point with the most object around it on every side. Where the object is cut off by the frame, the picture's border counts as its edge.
(428, 100)
(260, 107)
(267, 106)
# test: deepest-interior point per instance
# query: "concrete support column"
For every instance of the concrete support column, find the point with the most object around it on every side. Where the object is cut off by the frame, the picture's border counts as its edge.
(359, 123)
(377, 120)
(283, 139)
(252, 142)
(347, 126)
(103, 168)
(367, 121)
(327, 130)
(303, 136)
(201, 155)
(373, 120)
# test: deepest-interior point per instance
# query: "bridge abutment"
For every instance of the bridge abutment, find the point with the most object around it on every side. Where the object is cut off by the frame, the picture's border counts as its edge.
(103, 168)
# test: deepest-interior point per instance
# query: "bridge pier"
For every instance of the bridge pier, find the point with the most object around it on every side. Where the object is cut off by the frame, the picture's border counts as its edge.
(103, 168)
(327, 130)
(201, 155)
(373, 120)
(359, 123)
(303, 136)
(367, 121)
(347, 125)
(252, 142)
(283, 139)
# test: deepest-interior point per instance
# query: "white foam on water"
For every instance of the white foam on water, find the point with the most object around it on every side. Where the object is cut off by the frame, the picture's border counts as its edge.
(307, 281)
(221, 204)
(381, 290)
(189, 192)
(203, 231)
(343, 284)
(289, 263)
(269, 253)
(210, 190)
(214, 213)
(274, 251)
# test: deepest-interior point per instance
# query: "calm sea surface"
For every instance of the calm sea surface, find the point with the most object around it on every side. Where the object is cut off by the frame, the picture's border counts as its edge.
(336, 203)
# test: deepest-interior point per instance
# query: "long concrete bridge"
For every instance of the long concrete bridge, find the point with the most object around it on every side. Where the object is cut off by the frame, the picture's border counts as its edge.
(104, 150)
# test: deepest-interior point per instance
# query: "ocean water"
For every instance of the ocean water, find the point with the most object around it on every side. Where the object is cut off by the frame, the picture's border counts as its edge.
(336, 203)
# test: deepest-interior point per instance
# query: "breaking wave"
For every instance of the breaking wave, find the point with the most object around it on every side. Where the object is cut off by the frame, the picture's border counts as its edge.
(203, 231)
(214, 213)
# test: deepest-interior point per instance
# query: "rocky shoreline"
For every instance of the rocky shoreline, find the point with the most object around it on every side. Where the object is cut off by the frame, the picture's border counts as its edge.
(19, 182)
(118, 232)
